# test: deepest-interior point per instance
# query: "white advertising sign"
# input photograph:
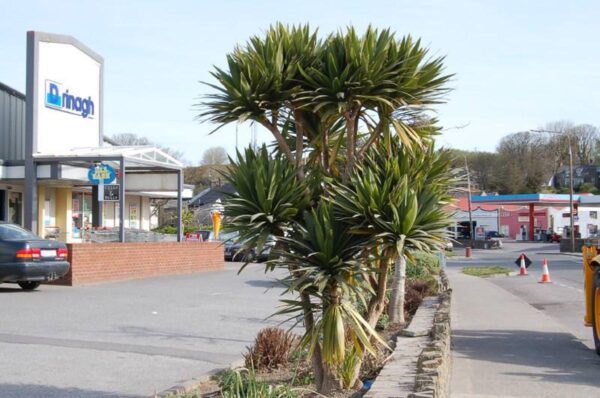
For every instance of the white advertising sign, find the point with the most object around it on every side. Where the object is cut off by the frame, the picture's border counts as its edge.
(68, 107)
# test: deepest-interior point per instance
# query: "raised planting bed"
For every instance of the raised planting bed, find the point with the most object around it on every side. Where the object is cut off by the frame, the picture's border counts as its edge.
(420, 364)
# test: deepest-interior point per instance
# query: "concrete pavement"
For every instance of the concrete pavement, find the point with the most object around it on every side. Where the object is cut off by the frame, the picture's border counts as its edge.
(129, 339)
(563, 300)
(503, 346)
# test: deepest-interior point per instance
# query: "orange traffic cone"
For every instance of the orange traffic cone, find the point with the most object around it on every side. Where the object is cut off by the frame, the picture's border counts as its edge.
(545, 273)
(523, 269)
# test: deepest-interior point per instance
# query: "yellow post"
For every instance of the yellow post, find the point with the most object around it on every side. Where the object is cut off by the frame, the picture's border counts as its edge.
(41, 192)
(589, 252)
(216, 220)
(64, 213)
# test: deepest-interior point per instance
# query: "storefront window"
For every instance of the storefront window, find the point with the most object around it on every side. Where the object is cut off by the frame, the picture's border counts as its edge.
(2, 205)
(15, 207)
(82, 213)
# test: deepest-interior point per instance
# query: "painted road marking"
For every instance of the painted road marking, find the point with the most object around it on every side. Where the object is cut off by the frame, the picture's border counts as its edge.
(570, 287)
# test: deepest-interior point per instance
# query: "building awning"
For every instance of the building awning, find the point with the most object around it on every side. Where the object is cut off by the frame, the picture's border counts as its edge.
(135, 157)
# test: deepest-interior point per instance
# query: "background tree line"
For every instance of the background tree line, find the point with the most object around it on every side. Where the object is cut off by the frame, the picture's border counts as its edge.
(525, 162)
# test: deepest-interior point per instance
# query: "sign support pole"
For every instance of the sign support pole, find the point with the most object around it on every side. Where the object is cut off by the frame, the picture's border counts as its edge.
(97, 214)
(179, 205)
(30, 199)
(122, 202)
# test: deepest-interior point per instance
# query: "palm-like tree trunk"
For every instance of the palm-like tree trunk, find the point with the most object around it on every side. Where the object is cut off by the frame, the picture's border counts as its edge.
(374, 310)
(396, 307)
(317, 358)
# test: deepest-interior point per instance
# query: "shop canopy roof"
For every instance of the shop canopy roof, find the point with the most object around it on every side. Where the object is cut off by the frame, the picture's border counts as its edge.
(135, 157)
(540, 199)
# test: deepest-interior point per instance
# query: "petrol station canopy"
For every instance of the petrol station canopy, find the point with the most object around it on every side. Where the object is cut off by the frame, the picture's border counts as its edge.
(537, 199)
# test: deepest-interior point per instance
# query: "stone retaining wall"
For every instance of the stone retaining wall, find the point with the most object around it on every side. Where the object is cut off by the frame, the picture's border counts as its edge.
(434, 363)
(420, 365)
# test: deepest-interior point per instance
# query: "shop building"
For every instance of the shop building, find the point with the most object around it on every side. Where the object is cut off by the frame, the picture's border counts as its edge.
(59, 176)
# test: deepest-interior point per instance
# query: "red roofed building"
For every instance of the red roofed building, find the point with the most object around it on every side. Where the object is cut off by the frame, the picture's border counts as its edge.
(508, 220)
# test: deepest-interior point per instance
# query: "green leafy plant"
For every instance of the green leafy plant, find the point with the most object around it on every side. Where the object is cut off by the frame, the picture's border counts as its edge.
(347, 368)
(324, 256)
(422, 265)
(349, 117)
(243, 383)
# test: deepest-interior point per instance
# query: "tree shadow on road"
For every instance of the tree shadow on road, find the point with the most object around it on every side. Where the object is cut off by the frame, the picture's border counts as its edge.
(556, 357)
(266, 283)
(41, 391)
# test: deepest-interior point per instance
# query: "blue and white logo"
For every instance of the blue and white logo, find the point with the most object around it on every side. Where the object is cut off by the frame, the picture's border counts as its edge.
(101, 173)
(62, 100)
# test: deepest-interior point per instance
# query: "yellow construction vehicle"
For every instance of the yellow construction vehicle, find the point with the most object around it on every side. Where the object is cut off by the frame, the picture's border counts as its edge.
(591, 272)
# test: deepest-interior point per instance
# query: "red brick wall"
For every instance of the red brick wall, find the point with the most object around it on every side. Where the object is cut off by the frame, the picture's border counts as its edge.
(98, 262)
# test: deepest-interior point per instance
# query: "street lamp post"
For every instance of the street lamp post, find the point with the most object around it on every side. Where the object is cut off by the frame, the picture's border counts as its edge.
(471, 229)
(572, 221)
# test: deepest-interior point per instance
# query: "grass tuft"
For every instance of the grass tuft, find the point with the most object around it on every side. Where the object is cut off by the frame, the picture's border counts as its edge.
(486, 271)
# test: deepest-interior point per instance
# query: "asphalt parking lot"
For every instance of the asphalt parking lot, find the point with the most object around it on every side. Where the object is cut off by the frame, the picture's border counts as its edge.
(129, 339)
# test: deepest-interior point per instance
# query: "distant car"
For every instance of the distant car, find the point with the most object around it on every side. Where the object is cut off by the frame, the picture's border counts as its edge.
(554, 237)
(266, 251)
(27, 259)
(492, 234)
(448, 245)
(204, 234)
(234, 250)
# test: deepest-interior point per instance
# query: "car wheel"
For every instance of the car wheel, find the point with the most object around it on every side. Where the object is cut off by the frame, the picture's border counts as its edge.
(596, 309)
(29, 285)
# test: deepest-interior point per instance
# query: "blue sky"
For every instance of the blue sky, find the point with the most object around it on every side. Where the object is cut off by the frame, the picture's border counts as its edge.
(518, 64)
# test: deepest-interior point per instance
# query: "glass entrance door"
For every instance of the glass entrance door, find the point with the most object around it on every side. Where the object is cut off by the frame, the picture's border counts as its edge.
(82, 213)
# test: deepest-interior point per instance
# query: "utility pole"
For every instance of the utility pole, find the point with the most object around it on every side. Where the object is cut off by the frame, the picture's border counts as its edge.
(471, 229)
(571, 206)
(572, 227)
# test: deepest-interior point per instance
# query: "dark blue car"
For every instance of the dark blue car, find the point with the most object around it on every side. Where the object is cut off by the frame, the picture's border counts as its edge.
(27, 259)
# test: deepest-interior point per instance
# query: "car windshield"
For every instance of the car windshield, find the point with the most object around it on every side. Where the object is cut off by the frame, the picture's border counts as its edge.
(14, 232)
(228, 236)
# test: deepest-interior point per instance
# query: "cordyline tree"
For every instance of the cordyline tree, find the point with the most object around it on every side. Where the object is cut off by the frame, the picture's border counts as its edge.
(352, 184)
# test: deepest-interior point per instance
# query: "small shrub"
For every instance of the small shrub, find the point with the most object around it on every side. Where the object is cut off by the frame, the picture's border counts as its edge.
(422, 265)
(416, 291)
(167, 229)
(346, 370)
(271, 349)
(242, 383)
(586, 187)
(383, 322)
(372, 365)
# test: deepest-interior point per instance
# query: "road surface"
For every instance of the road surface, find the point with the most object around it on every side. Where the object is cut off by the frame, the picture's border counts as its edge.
(129, 339)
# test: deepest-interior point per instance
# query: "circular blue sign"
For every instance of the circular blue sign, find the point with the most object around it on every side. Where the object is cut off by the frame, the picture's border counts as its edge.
(101, 172)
